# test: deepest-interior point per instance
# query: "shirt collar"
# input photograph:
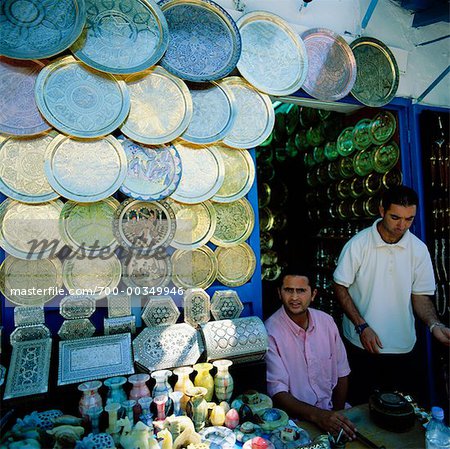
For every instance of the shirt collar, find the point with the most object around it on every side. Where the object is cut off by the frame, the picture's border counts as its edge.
(379, 242)
(294, 327)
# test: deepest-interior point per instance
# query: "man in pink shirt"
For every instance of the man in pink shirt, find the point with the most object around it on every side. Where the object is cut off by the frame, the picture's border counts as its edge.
(307, 367)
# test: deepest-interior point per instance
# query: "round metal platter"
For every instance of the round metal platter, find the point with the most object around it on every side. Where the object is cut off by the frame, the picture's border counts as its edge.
(204, 45)
(125, 36)
(386, 157)
(85, 170)
(214, 112)
(203, 173)
(236, 264)
(361, 134)
(194, 268)
(255, 117)
(36, 29)
(22, 174)
(377, 76)
(25, 229)
(235, 222)
(196, 224)
(19, 114)
(30, 282)
(153, 172)
(273, 58)
(89, 226)
(161, 107)
(92, 275)
(79, 101)
(239, 174)
(331, 65)
(363, 162)
(144, 226)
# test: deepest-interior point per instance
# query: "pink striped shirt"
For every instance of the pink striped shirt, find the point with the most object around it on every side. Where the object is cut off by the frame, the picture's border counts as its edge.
(308, 363)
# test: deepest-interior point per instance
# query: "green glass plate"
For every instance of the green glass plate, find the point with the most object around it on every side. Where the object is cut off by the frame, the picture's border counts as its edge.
(361, 134)
(382, 128)
(344, 142)
(386, 157)
(363, 162)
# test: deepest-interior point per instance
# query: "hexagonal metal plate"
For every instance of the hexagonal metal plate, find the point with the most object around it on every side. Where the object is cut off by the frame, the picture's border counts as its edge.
(225, 304)
(75, 329)
(160, 311)
(196, 306)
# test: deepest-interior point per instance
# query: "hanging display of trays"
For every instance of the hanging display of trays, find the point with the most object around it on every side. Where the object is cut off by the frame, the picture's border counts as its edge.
(273, 58)
(200, 53)
(126, 37)
(236, 264)
(160, 311)
(377, 75)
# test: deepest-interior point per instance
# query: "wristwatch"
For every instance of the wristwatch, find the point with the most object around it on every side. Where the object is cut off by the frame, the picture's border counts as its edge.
(360, 328)
(435, 324)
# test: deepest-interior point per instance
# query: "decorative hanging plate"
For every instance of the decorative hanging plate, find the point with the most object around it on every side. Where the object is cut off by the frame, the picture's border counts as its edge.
(24, 316)
(30, 282)
(76, 306)
(346, 169)
(203, 174)
(93, 276)
(235, 222)
(205, 43)
(153, 172)
(392, 178)
(161, 107)
(385, 157)
(196, 224)
(85, 170)
(30, 231)
(144, 226)
(363, 162)
(79, 101)
(94, 358)
(89, 226)
(160, 311)
(127, 36)
(165, 347)
(34, 29)
(361, 134)
(377, 74)
(236, 264)
(383, 127)
(214, 112)
(19, 114)
(330, 151)
(146, 275)
(344, 143)
(29, 368)
(273, 58)
(239, 174)
(255, 117)
(22, 174)
(194, 269)
(331, 65)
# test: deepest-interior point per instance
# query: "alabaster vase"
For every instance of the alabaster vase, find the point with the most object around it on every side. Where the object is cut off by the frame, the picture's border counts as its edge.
(90, 398)
(183, 383)
(197, 407)
(204, 379)
(223, 382)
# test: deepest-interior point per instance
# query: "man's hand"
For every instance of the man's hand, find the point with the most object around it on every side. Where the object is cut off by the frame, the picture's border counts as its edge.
(333, 422)
(442, 334)
(370, 341)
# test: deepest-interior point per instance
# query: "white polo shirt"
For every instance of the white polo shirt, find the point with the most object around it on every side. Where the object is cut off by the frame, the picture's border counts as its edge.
(381, 278)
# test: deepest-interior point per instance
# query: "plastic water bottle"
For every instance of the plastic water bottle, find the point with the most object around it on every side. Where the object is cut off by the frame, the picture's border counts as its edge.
(437, 435)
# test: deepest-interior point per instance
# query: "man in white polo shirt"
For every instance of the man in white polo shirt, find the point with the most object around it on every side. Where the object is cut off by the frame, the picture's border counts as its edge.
(384, 274)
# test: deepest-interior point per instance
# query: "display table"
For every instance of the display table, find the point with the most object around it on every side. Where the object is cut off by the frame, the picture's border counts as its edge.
(359, 415)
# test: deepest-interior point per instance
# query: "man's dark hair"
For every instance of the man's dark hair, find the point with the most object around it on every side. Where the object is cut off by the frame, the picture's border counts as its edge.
(297, 271)
(401, 195)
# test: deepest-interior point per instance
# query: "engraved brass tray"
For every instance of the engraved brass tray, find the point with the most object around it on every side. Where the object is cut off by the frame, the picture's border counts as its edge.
(196, 224)
(239, 175)
(89, 226)
(30, 282)
(77, 306)
(363, 162)
(126, 36)
(273, 58)
(392, 178)
(236, 264)
(79, 101)
(145, 226)
(19, 114)
(386, 157)
(197, 306)
(332, 65)
(344, 143)
(346, 169)
(255, 117)
(214, 112)
(161, 107)
(203, 173)
(94, 358)
(194, 268)
(22, 174)
(235, 222)
(30, 231)
(37, 29)
(383, 127)
(377, 76)
(85, 170)
(153, 172)
(204, 45)
(92, 275)
(29, 368)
